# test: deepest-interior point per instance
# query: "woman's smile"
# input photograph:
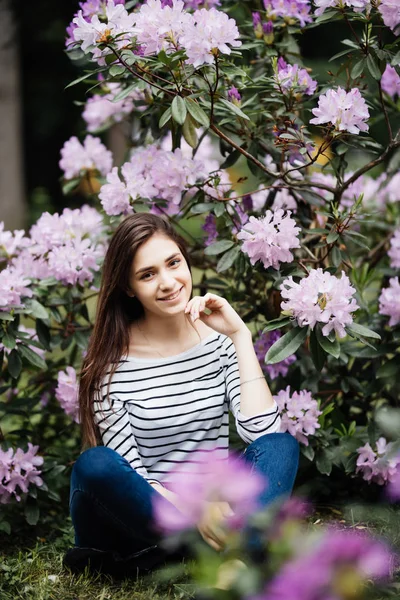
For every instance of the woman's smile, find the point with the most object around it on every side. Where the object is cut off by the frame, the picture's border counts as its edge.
(172, 297)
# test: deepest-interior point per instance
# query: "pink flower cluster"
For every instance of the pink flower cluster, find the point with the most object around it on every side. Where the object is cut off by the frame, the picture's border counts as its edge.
(320, 298)
(347, 111)
(67, 392)
(289, 9)
(373, 190)
(92, 155)
(390, 11)
(67, 247)
(379, 465)
(317, 573)
(208, 478)
(270, 238)
(299, 413)
(261, 346)
(13, 287)
(390, 81)
(394, 251)
(18, 470)
(356, 5)
(89, 9)
(201, 33)
(389, 302)
(150, 173)
(11, 242)
(89, 31)
(292, 79)
(101, 110)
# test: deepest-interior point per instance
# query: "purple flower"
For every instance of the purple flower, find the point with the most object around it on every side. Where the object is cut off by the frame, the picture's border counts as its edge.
(347, 111)
(380, 465)
(394, 252)
(67, 392)
(11, 242)
(13, 288)
(234, 96)
(77, 158)
(393, 489)
(390, 11)
(208, 32)
(101, 110)
(299, 413)
(18, 469)
(319, 573)
(299, 10)
(389, 301)
(320, 298)
(210, 227)
(270, 238)
(239, 215)
(160, 27)
(114, 195)
(356, 5)
(208, 478)
(391, 81)
(261, 347)
(293, 79)
(88, 31)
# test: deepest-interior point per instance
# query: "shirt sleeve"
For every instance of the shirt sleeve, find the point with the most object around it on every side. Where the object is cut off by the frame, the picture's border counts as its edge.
(112, 419)
(248, 428)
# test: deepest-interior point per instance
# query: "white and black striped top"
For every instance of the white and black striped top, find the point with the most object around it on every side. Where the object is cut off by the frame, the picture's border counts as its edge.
(161, 410)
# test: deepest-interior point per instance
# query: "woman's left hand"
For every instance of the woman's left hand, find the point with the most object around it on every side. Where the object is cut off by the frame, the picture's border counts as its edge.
(223, 318)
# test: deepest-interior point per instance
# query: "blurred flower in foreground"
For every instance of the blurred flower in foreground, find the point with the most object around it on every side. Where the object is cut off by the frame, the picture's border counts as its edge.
(299, 412)
(18, 470)
(337, 568)
(389, 301)
(390, 11)
(356, 5)
(347, 111)
(261, 347)
(394, 252)
(393, 489)
(379, 466)
(320, 298)
(91, 155)
(209, 479)
(67, 392)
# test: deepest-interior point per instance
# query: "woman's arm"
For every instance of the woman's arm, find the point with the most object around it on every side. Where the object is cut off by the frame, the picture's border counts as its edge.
(255, 395)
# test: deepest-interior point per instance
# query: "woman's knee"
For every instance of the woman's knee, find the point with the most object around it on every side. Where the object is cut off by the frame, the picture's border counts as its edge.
(94, 466)
(282, 443)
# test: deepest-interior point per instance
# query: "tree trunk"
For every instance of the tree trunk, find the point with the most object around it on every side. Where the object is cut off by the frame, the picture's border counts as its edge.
(12, 204)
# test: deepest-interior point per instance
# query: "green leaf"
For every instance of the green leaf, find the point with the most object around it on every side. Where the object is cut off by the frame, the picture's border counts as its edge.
(70, 185)
(9, 341)
(202, 207)
(363, 331)
(227, 259)
(32, 357)
(43, 333)
(4, 316)
(165, 117)
(83, 77)
(116, 70)
(330, 347)
(373, 68)
(286, 345)
(332, 237)
(31, 511)
(307, 451)
(218, 247)
(197, 112)
(36, 309)
(178, 108)
(5, 527)
(389, 369)
(235, 109)
(231, 159)
(324, 463)
(276, 324)
(14, 364)
(189, 132)
(358, 69)
(317, 352)
(124, 93)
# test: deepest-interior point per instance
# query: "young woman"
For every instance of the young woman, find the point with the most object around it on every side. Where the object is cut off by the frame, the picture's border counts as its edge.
(162, 371)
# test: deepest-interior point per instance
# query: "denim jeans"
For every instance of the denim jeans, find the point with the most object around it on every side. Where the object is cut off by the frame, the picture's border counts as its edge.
(111, 504)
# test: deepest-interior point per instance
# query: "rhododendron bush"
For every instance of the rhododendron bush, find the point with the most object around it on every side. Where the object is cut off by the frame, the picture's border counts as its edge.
(296, 200)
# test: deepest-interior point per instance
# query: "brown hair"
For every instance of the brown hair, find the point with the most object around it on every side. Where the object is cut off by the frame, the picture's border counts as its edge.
(116, 310)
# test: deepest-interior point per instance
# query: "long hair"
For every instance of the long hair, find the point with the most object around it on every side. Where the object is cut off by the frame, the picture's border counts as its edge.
(116, 311)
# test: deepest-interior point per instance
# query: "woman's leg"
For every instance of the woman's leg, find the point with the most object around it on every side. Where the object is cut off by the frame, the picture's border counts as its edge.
(276, 457)
(110, 503)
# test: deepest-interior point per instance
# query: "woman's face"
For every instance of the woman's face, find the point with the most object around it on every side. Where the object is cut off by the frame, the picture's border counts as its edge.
(160, 277)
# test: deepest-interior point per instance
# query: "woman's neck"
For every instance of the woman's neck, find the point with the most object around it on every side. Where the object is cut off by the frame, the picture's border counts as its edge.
(161, 330)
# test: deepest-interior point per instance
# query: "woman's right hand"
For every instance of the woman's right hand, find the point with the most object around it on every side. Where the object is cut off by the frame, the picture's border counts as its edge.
(211, 525)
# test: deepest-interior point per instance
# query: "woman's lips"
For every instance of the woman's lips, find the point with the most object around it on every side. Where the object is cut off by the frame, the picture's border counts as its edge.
(171, 299)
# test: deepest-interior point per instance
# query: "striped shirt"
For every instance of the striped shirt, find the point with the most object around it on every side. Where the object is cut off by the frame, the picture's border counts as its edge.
(161, 410)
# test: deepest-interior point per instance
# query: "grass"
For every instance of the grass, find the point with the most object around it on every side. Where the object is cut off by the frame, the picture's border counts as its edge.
(36, 572)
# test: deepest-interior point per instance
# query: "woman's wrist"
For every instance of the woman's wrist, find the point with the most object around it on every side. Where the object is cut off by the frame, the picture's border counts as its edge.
(241, 334)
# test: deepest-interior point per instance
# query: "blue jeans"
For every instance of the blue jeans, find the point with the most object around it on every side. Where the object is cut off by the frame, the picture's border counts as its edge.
(111, 504)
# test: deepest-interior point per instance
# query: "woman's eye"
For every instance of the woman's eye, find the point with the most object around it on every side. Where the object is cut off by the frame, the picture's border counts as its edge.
(175, 261)
(145, 275)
